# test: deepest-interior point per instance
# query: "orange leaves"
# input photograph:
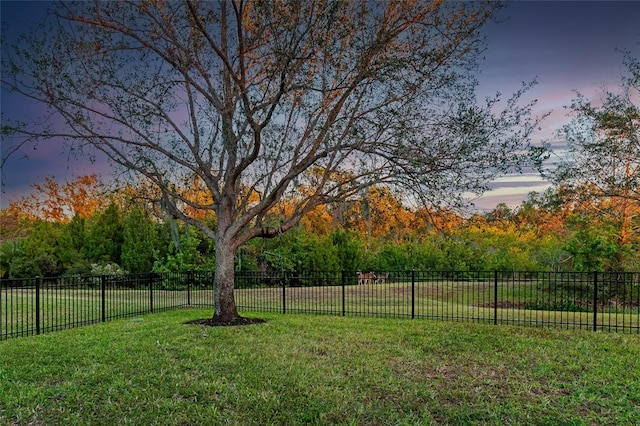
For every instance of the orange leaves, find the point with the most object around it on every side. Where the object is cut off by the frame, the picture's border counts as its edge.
(83, 195)
(319, 221)
(59, 203)
(198, 200)
(384, 212)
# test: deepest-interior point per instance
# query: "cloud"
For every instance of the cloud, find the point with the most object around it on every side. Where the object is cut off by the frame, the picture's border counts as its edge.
(511, 196)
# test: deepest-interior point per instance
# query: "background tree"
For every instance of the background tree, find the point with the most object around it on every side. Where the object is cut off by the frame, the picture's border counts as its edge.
(70, 244)
(601, 171)
(139, 241)
(246, 96)
(547, 232)
(592, 246)
(12, 223)
(603, 143)
(104, 236)
(188, 250)
(36, 255)
(53, 201)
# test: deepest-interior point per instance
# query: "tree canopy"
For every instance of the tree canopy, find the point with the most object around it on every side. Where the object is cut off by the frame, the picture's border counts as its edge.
(255, 100)
(603, 141)
(601, 169)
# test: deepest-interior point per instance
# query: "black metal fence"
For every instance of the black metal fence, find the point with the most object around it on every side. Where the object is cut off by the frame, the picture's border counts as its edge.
(599, 301)
(596, 301)
(38, 305)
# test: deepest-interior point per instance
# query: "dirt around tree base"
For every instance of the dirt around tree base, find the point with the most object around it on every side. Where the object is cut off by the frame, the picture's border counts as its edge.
(217, 322)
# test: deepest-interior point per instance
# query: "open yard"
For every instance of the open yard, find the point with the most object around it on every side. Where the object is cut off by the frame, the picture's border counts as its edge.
(302, 369)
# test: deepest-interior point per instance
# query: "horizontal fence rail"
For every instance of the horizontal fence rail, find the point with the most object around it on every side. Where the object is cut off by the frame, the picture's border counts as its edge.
(598, 301)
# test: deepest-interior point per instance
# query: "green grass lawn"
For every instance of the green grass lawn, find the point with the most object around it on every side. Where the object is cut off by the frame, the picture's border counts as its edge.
(306, 369)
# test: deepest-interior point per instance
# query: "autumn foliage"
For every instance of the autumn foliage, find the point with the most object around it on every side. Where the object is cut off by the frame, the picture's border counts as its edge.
(52, 201)
(375, 230)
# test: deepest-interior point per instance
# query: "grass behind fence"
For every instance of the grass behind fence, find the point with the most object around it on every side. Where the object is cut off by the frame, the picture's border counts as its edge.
(461, 301)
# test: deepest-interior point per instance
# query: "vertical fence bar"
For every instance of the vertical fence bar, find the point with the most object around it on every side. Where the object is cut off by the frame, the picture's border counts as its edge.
(189, 280)
(103, 291)
(38, 285)
(413, 293)
(595, 300)
(344, 278)
(284, 296)
(495, 297)
(151, 294)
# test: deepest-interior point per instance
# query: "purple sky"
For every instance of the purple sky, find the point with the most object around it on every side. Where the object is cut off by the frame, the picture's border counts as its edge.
(566, 46)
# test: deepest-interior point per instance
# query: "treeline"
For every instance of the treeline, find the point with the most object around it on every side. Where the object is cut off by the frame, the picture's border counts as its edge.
(77, 229)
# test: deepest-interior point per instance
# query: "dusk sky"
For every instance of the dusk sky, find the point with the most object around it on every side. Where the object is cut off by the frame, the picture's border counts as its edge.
(566, 46)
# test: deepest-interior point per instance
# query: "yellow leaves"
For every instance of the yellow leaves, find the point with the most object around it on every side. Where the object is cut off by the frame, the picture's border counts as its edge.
(386, 213)
(319, 221)
(197, 199)
(425, 220)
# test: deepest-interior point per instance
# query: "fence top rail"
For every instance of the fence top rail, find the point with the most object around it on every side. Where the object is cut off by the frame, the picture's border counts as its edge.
(607, 275)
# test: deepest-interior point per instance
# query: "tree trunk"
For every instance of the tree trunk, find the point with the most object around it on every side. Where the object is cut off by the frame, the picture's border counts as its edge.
(225, 302)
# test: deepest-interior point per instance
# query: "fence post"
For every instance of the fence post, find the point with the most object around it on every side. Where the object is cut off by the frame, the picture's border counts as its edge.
(495, 297)
(344, 278)
(103, 287)
(189, 279)
(413, 293)
(595, 300)
(284, 295)
(151, 293)
(38, 282)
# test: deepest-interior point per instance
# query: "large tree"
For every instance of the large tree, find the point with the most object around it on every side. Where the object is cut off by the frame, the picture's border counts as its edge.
(256, 99)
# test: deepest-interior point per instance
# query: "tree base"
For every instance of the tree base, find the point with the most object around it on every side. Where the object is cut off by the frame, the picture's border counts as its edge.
(220, 322)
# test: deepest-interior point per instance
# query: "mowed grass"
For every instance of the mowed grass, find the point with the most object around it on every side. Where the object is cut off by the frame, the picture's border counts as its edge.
(305, 369)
